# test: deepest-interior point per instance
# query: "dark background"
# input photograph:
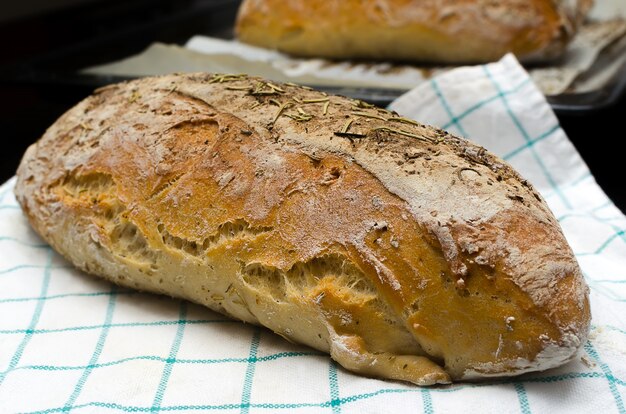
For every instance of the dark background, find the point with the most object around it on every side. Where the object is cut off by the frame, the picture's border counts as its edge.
(45, 42)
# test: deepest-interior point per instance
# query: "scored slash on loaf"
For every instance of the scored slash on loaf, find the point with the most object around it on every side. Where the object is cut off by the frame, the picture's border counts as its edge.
(403, 251)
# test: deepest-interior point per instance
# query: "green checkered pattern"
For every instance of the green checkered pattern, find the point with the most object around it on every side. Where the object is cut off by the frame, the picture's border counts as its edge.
(72, 343)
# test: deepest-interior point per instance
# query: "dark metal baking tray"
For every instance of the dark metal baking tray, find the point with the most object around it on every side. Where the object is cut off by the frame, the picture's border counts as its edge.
(175, 24)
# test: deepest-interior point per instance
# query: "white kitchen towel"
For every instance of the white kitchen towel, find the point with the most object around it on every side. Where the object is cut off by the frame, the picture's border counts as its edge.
(71, 342)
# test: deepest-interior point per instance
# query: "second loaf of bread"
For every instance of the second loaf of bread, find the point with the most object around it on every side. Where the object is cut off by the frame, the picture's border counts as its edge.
(440, 31)
(403, 251)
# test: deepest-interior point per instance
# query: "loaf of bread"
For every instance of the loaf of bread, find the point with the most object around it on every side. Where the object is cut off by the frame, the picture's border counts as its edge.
(403, 251)
(440, 31)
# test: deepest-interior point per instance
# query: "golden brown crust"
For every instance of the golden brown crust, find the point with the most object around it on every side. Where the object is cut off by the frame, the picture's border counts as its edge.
(447, 31)
(405, 252)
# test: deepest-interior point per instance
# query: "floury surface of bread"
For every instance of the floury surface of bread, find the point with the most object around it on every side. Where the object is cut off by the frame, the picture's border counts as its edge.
(439, 31)
(403, 251)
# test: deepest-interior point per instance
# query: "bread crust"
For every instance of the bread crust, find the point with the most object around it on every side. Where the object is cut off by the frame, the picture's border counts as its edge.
(440, 31)
(403, 251)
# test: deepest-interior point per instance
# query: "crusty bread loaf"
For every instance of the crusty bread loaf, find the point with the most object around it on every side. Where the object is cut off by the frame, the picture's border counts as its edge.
(403, 251)
(441, 31)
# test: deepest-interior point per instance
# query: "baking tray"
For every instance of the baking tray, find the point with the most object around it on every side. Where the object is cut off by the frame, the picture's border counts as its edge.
(59, 69)
(566, 103)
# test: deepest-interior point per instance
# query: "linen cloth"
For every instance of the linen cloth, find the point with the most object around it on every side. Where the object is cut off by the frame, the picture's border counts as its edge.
(71, 342)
